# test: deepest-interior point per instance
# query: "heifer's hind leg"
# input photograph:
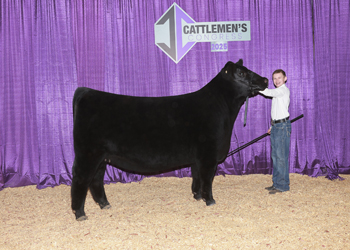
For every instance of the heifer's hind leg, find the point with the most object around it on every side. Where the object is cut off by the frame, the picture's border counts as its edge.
(97, 187)
(79, 188)
(196, 183)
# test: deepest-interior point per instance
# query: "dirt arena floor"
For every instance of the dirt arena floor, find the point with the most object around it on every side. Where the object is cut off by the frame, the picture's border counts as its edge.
(160, 213)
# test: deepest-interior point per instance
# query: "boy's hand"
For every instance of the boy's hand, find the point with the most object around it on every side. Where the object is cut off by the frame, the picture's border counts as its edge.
(269, 131)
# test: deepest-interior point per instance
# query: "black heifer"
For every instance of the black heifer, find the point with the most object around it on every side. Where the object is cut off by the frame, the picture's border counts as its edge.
(157, 134)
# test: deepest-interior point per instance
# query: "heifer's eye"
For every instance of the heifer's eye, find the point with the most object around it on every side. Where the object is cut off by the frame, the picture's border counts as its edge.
(242, 74)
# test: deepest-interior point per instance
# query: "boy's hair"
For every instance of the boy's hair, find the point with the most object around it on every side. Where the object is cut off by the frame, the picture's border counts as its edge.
(279, 71)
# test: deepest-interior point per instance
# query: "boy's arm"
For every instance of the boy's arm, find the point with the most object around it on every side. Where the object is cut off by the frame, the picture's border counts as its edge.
(272, 92)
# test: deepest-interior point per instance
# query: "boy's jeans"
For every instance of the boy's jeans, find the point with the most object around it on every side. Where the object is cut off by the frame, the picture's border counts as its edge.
(280, 140)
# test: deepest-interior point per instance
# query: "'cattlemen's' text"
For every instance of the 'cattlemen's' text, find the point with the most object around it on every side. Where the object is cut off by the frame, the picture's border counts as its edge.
(214, 28)
(216, 31)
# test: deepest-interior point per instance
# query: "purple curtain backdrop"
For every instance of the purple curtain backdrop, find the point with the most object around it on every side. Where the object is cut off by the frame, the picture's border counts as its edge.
(48, 48)
(332, 85)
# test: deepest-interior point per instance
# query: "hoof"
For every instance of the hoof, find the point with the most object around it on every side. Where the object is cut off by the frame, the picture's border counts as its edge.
(210, 203)
(197, 196)
(106, 207)
(82, 218)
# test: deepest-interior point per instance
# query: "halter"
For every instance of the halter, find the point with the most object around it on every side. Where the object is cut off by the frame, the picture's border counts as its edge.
(246, 111)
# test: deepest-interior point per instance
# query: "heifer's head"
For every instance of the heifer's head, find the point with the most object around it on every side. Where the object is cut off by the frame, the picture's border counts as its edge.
(248, 82)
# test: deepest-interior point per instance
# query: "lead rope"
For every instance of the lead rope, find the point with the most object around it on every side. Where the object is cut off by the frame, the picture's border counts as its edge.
(246, 111)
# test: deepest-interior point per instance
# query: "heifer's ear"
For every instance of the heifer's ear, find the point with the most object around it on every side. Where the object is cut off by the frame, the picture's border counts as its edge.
(228, 63)
(240, 62)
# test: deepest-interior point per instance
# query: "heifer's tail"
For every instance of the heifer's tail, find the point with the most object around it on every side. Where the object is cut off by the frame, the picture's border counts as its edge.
(78, 94)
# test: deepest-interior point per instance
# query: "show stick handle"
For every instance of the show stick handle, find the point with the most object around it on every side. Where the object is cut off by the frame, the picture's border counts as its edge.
(297, 118)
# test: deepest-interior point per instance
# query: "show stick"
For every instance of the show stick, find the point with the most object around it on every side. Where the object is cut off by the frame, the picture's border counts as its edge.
(258, 138)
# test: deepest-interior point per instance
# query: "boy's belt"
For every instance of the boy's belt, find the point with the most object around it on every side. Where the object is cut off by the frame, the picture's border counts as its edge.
(273, 122)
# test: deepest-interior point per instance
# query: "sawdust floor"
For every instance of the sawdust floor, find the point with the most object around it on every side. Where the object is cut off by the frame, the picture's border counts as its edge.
(160, 213)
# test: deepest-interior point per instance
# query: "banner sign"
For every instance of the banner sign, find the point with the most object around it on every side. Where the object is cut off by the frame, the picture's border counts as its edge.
(176, 33)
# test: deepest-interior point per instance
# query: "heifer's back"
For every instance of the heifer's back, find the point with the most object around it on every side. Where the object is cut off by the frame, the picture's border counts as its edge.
(157, 134)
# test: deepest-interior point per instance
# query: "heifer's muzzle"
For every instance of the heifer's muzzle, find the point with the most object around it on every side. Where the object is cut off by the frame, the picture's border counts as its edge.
(255, 88)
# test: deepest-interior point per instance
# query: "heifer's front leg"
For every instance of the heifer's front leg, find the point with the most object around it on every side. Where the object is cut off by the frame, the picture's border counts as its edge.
(196, 183)
(97, 187)
(206, 172)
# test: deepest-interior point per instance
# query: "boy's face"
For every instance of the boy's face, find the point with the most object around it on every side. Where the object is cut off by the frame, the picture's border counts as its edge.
(279, 79)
